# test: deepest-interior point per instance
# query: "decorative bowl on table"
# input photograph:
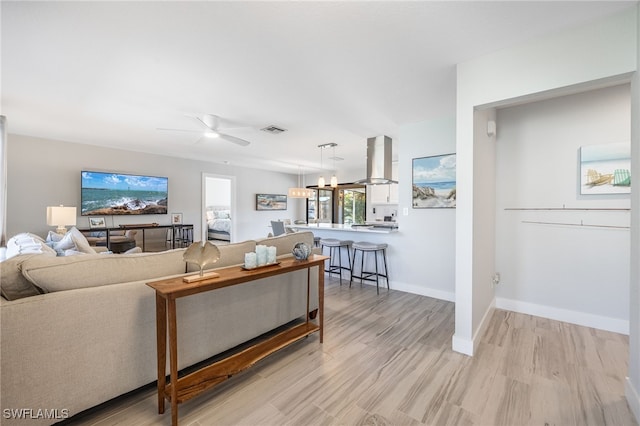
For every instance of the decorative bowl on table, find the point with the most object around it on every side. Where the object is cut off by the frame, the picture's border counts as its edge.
(301, 251)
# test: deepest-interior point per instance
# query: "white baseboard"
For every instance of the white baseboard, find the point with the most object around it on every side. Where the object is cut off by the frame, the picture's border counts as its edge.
(464, 346)
(580, 318)
(468, 346)
(423, 291)
(632, 398)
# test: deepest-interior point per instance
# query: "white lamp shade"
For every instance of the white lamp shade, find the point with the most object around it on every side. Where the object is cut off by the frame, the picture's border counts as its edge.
(60, 216)
(334, 181)
(321, 182)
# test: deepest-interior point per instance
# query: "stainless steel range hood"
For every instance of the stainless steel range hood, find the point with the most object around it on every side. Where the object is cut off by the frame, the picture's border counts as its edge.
(378, 162)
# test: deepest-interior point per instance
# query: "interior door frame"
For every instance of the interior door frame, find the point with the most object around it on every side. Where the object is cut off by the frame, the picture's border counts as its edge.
(203, 215)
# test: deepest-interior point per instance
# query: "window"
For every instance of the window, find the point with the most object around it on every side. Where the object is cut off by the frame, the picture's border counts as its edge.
(352, 205)
(320, 206)
(345, 204)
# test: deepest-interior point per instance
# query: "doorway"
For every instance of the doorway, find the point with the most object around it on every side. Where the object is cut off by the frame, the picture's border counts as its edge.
(218, 208)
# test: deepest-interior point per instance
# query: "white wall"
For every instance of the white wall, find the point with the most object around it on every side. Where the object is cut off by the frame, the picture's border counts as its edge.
(45, 172)
(427, 236)
(601, 51)
(632, 387)
(568, 273)
(218, 192)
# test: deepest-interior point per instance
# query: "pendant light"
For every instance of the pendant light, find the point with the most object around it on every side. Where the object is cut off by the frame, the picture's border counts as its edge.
(321, 178)
(300, 191)
(334, 179)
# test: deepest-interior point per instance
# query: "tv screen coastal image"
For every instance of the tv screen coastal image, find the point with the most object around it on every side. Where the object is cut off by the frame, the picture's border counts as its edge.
(123, 194)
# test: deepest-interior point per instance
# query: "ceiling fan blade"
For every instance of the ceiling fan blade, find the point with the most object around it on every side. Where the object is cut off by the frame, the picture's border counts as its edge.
(179, 130)
(233, 139)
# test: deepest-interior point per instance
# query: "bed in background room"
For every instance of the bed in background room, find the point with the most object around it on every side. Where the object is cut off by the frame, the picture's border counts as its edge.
(219, 223)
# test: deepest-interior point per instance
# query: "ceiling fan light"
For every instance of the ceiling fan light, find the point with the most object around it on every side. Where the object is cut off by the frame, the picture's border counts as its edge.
(212, 134)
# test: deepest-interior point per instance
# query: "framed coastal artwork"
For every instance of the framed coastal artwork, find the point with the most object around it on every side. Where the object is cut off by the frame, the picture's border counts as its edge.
(271, 202)
(605, 169)
(434, 182)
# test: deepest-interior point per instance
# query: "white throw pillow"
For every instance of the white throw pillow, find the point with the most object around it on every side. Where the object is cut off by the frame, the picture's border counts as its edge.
(24, 243)
(73, 240)
(80, 241)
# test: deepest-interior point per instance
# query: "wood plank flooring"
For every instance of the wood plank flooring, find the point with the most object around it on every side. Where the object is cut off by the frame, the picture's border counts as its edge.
(387, 360)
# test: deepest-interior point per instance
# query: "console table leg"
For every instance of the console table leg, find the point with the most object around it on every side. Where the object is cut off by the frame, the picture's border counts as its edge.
(173, 360)
(321, 301)
(308, 293)
(161, 338)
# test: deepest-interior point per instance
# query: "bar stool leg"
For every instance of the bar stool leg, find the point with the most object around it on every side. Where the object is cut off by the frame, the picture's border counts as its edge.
(375, 255)
(353, 264)
(340, 263)
(386, 270)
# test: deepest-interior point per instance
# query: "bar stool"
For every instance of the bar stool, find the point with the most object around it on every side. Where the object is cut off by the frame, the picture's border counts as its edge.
(186, 237)
(336, 245)
(365, 247)
(316, 241)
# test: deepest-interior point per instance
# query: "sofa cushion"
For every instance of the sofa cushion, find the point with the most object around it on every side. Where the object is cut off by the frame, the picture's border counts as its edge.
(13, 285)
(93, 270)
(284, 243)
(230, 254)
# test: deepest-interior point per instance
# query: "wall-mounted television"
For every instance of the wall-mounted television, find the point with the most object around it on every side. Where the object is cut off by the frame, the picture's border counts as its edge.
(105, 193)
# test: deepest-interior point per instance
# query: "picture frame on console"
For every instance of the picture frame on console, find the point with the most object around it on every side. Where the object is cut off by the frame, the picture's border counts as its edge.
(176, 218)
(97, 222)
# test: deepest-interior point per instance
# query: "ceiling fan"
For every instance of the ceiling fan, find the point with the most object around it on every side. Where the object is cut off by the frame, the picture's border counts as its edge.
(210, 123)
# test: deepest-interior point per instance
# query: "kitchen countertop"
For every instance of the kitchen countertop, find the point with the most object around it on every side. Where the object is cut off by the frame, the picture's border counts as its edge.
(346, 228)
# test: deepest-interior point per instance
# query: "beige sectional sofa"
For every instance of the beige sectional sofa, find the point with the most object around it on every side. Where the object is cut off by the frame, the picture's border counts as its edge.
(92, 336)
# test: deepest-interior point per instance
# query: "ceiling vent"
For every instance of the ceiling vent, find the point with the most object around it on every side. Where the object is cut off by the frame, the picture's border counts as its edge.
(273, 129)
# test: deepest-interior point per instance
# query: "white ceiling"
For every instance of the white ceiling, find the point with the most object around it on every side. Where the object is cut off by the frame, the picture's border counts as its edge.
(112, 73)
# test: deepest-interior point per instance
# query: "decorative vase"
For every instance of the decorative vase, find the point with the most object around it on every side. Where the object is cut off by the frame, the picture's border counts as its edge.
(301, 251)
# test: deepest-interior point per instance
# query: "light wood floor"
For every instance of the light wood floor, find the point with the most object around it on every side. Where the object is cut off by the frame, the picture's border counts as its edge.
(387, 360)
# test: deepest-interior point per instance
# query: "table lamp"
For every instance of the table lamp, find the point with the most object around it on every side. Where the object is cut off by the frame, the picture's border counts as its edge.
(60, 216)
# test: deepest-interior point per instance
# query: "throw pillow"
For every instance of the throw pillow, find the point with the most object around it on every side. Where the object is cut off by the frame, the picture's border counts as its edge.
(25, 243)
(73, 240)
(80, 241)
(54, 237)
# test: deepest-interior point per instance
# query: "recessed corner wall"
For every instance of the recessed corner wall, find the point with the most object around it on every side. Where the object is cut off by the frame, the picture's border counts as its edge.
(578, 272)
(537, 68)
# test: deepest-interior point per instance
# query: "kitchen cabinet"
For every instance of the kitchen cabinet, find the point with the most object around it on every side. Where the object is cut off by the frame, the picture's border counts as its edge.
(383, 194)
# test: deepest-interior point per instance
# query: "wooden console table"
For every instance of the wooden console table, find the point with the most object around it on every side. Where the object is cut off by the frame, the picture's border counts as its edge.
(178, 390)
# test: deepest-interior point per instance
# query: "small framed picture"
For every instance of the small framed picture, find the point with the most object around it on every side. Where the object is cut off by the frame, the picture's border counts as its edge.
(97, 222)
(176, 218)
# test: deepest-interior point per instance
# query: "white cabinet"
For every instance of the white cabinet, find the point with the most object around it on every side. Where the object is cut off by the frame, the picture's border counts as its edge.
(383, 194)
(393, 193)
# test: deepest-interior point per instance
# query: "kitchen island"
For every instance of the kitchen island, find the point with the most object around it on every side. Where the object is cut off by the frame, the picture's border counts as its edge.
(379, 233)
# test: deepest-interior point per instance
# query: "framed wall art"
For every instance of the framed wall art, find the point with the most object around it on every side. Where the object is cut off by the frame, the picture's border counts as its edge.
(605, 169)
(97, 222)
(271, 202)
(434, 182)
(176, 218)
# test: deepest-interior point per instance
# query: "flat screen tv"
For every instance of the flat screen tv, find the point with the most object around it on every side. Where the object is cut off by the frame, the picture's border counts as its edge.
(106, 193)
